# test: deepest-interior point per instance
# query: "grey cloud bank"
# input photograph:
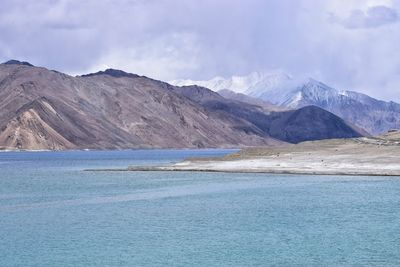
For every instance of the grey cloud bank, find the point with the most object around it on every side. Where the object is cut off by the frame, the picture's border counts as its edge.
(201, 39)
(375, 16)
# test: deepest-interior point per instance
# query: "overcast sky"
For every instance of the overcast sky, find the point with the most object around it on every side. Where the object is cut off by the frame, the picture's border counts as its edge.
(348, 44)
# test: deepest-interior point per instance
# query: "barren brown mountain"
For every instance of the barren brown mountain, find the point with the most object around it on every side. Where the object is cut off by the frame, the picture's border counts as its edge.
(44, 109)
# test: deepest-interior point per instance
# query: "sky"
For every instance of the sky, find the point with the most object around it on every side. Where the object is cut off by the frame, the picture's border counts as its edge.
(347, 44)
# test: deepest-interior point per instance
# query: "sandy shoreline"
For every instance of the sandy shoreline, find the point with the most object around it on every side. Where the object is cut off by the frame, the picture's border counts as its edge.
(359, 156)
(266, 171)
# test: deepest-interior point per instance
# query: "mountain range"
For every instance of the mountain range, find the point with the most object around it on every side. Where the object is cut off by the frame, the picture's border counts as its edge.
(284, 91)
(112, 109)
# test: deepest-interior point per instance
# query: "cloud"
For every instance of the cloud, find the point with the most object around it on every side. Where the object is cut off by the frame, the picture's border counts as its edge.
(172, 39)
(165, 56)
(375, 16)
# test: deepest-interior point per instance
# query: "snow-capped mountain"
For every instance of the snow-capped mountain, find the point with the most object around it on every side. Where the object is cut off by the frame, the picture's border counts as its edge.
(375, 116)
(250, 84)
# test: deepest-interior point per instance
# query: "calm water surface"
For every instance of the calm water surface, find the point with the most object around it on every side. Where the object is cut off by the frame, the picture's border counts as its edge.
(54, 214)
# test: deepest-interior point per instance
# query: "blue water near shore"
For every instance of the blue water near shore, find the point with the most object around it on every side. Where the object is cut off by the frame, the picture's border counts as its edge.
(54, 214)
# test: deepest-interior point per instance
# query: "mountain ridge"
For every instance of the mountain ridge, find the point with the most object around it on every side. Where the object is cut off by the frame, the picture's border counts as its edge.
(112, 109)
(104, 112)
(373, 115)
(294, 126)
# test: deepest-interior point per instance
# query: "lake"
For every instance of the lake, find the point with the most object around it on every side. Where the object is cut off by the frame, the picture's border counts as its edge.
(52, 213)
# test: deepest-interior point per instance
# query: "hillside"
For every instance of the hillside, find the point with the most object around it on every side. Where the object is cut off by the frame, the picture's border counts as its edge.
(293, 126)
(43, 109)
(373, 115)
(112, 109)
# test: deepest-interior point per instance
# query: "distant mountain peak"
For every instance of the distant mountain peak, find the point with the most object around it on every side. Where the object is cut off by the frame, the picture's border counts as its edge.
(283, 90)
(242, 84)
(112, 72)
(17, 62)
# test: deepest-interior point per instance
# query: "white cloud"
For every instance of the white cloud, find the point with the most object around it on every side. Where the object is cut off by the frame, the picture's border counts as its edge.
(162, 58)
(171, 39)
(374, 16)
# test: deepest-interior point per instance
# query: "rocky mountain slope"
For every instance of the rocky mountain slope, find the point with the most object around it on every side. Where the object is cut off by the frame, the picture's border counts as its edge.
(294, 126)
(373, 115)
(266, 105)
(43, 109)
(112, 109)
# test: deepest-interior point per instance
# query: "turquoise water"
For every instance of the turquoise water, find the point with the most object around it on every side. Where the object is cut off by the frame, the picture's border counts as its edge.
(54, 214)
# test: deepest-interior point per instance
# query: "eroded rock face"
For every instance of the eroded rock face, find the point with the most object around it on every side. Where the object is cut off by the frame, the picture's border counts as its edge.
(293, 126)
(43, 109)
(280, 89)
(29, 130)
